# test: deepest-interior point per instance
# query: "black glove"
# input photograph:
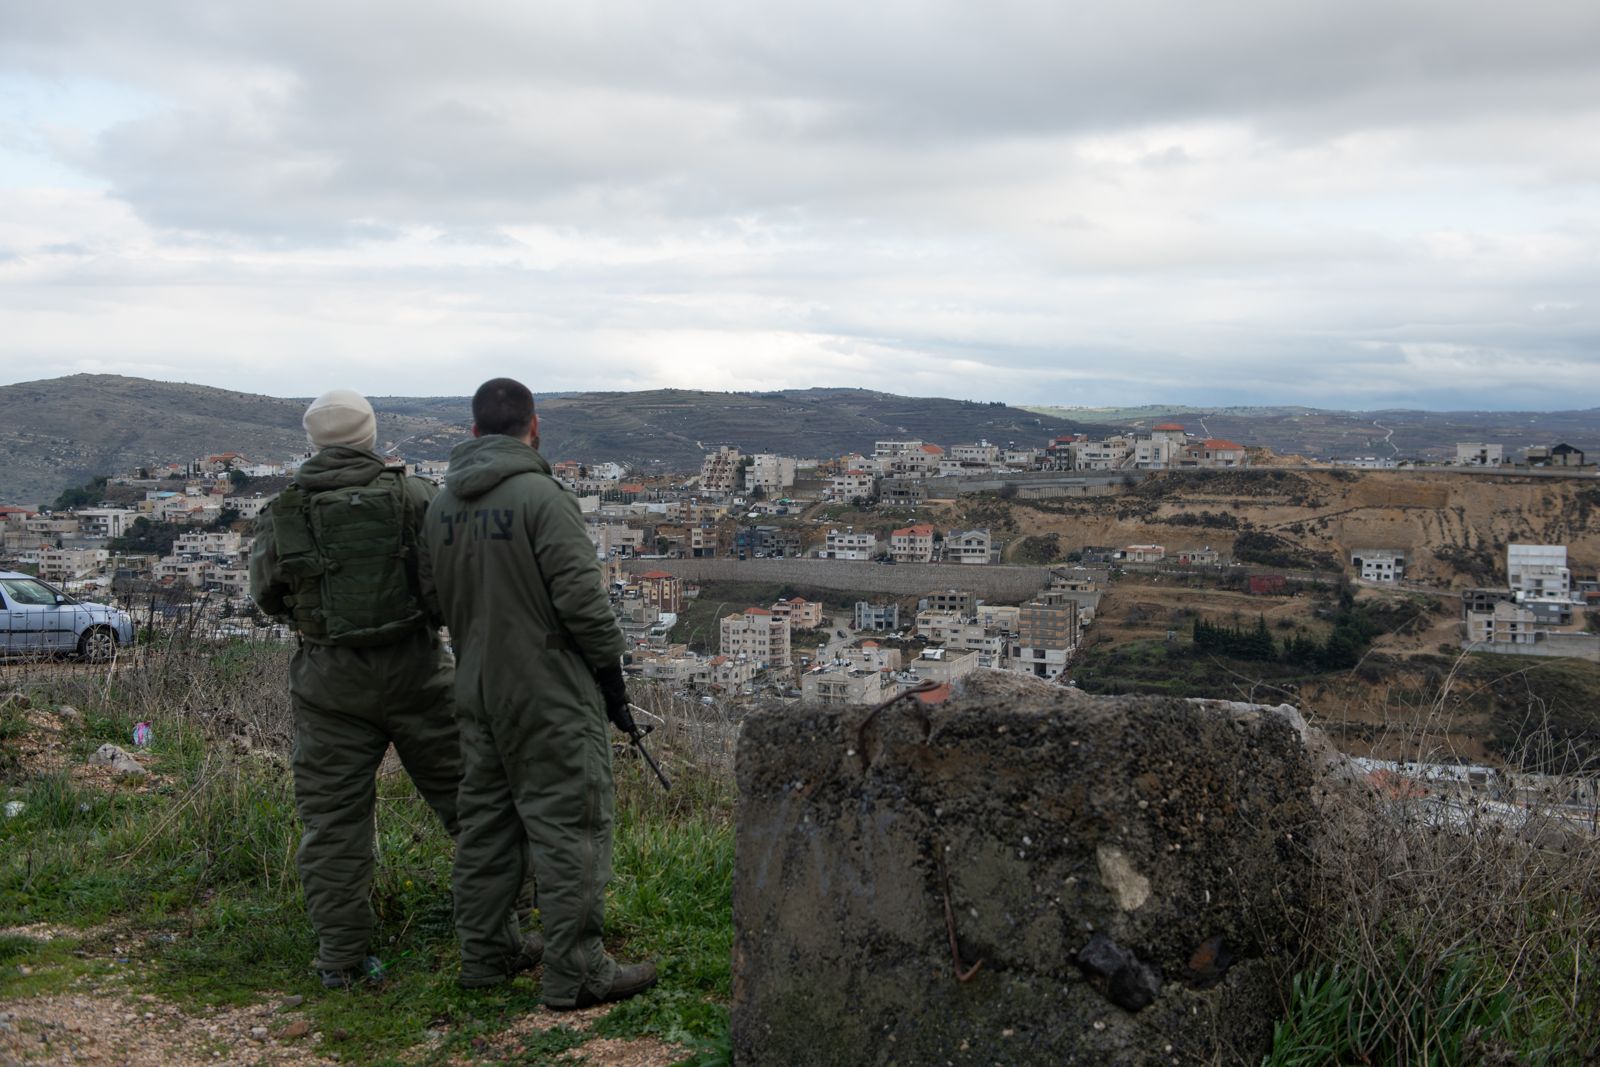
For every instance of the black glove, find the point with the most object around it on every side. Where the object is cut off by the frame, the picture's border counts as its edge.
(615, 691)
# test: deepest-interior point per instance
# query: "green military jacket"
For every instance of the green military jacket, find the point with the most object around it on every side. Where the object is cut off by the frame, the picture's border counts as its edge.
(335, 467)
(509, 567)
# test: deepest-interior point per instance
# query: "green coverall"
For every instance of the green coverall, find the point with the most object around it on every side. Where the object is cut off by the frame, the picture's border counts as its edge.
(508, 564)
(349, 705)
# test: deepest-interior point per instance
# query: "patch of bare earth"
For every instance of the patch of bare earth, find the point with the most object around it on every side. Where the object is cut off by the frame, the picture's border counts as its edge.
(598, 1051)
(99, 1021)
(95, 1025)
(44, 750)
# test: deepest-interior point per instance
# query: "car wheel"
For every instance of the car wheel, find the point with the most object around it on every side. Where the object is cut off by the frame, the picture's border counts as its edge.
(97, 644)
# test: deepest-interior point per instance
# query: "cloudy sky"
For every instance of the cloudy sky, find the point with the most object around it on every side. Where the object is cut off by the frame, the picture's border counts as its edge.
(1355, 204)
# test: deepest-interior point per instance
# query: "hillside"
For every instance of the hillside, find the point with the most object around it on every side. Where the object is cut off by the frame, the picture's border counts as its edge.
(1453, 526)
(61, 432)
(1346, 434)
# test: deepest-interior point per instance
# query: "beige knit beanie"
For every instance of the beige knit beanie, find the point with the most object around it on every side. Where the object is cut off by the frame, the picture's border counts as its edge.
(341, 417)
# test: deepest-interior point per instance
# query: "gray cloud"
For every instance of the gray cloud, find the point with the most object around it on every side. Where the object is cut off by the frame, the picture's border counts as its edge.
(1366, 200)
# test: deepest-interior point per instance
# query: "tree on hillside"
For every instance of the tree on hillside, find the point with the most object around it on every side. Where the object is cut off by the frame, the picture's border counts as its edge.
(84, 496)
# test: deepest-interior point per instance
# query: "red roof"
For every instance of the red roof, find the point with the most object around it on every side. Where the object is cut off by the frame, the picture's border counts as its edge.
(655, 575)
(937, 695)
(718, 661)
(1167, 426)
(757, 611)
(1216, 444)
(933, 450)
(920, 530)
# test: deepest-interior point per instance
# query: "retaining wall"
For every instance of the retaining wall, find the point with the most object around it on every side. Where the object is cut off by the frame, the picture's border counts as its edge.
(996, 584)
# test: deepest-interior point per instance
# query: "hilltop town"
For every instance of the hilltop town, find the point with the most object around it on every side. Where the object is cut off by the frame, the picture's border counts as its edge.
(851, 578)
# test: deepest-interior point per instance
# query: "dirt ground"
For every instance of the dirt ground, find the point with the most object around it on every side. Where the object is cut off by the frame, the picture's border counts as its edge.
(102, 1019)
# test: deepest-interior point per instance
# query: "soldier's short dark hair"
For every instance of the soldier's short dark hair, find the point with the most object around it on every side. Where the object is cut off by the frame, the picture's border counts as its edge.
(502, 405)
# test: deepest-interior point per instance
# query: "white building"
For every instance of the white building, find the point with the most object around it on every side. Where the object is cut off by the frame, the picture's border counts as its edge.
(846, 685)
(981, 453)
(1538, 571)
(1106, 455)
(758, 636)
(848, 544)
(106, 522)
(968, 546)
(943, 665)
(770, 473)
(852, 485)
(248, 507)
(1379, 564)
(226, 544)
(1479, 454)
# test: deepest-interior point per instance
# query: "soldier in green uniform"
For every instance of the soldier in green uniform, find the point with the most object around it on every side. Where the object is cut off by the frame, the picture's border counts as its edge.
(539, 671)
(336, 555)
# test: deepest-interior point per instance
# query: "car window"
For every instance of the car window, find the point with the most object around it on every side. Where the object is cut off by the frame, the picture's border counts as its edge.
(28, 591)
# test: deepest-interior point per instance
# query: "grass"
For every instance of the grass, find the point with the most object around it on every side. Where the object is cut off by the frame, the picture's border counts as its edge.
(1454, 926)
(195, 870)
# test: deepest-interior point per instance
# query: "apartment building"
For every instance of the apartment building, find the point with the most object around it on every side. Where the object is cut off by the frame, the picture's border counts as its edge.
(757, 635)
(1212, 453)
(661, 590)
(871, 656)
(912, 544)
(105, 522)
(968, 546)
(802, 614)
(943, 665)
(849, 544)
(846, 686)
(1047, 635)
(721, 473)
(853, 484)
(1504, 623)
(1538, 571)
(1106, 455)
(982, 454)
(960, 602)
(998, 618)
(770, 473)
(870, 616)
(223, 544)
(902, 492)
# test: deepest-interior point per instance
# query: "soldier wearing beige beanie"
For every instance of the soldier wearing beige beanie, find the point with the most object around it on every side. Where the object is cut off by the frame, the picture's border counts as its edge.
(341, 417)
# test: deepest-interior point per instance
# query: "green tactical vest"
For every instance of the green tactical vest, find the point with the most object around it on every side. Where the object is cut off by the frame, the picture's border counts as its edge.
(350, 557)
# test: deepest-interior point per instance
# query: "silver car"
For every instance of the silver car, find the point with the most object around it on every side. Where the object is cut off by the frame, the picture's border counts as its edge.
(38, 619)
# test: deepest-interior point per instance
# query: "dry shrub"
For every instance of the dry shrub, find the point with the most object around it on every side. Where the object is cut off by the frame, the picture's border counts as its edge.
(1455, 919)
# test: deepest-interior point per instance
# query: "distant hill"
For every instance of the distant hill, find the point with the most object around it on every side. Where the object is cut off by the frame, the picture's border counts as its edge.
(63, 431)
(1328, 434)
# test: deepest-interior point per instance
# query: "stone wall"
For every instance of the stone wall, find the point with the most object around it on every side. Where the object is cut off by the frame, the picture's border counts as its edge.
(1575, 646)
(1026, 875)
(996, 584)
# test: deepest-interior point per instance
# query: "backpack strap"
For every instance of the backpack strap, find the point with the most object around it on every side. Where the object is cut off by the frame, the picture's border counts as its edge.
(299, 558)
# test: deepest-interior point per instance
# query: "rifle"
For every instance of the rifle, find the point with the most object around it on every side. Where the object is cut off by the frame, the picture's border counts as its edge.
(636, 735)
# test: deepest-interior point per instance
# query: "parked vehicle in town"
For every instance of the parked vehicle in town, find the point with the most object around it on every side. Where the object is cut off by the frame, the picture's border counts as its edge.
(37, 619)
